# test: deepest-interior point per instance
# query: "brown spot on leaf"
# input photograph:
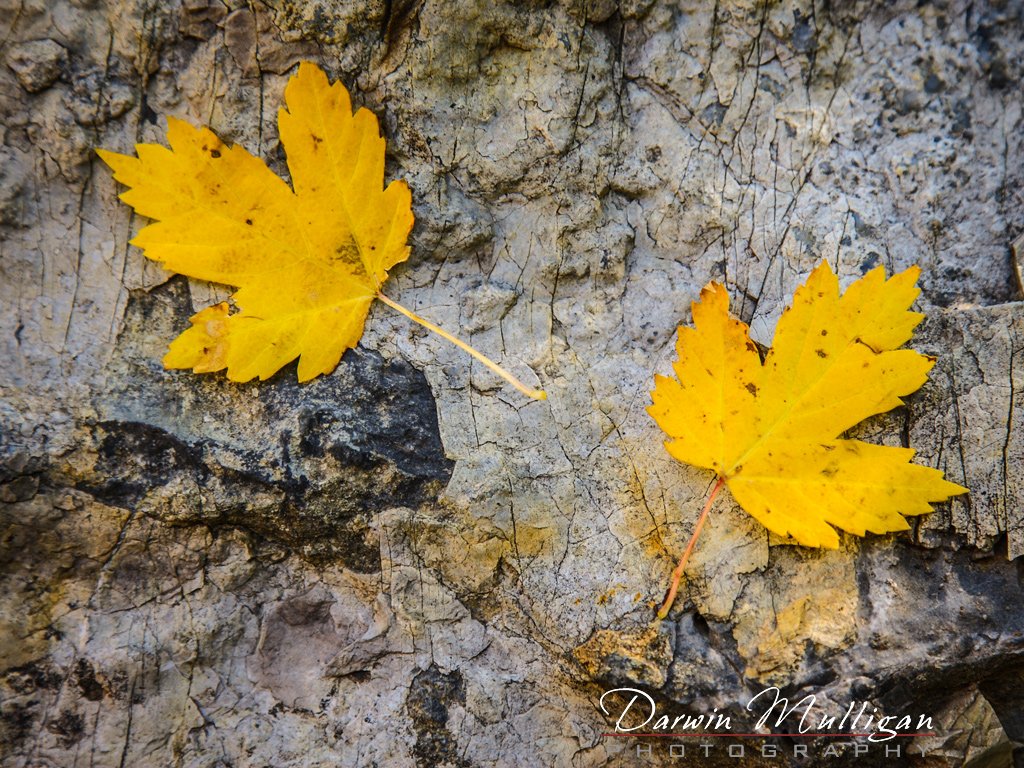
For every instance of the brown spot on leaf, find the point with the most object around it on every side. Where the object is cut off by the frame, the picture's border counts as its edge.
(214, 153)
(249, 222)
(752, 388)
(824, 332)
(821, 353)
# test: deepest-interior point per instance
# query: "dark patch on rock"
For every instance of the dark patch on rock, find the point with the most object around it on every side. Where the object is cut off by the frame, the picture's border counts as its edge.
(961, 125)
(32, 677)
(20, 489)
(804, 37)
(815, 670)
(870, 262)
(135, 457)
(305, 465)
(384, 414)
(862, 228)
(17, 721)
(430, 695)
(990, 54)
(772, 86)
(713, 114)
(607, 20)
(702, 656)
(69, 728)
(17, 462)
(970, 633)
(400, 17)
(85, 677)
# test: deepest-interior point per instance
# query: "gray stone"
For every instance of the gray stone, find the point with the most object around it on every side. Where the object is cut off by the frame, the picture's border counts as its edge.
(407, 564)
(37, 63)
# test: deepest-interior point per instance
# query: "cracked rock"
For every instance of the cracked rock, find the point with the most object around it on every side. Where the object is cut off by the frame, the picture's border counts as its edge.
(404, 563)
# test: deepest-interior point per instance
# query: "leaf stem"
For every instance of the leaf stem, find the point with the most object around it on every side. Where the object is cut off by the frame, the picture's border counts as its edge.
(677, 574)
(536, 394)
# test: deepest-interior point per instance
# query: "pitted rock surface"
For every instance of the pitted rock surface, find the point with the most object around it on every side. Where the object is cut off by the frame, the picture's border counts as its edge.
(406, 564)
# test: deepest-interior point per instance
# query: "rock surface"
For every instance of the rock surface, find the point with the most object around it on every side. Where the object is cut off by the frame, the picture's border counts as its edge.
(405, 564)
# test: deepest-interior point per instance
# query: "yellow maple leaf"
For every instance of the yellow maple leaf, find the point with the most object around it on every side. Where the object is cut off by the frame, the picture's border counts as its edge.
(770, 431)
(308, 261)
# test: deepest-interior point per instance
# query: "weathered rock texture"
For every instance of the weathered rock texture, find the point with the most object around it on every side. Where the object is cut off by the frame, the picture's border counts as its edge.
(405, 564)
